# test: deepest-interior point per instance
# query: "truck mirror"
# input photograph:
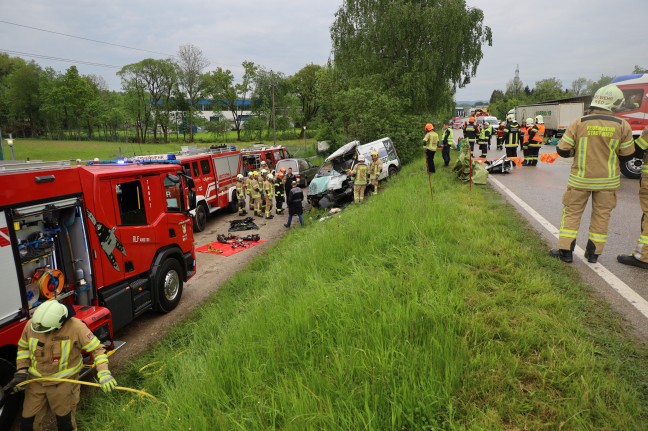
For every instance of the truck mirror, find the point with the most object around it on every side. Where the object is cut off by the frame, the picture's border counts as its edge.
(173, 178)
(192, 200)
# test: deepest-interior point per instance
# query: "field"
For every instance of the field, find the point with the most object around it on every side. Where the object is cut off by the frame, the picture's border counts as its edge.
(404, 313)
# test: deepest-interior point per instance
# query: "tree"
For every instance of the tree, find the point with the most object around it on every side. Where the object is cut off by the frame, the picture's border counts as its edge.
(548, 89)
(602, 82)
(24, 97)
(304, 84)
(639, 69)
(137, 98)
(495, 96)
(581, 86)
(417, 51)
(191, 63)
(515, 87)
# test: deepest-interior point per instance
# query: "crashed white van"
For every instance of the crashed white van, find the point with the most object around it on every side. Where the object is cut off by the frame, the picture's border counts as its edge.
(333, 186)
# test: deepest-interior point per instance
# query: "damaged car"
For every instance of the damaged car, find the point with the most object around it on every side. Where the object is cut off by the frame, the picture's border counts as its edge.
(332, 186)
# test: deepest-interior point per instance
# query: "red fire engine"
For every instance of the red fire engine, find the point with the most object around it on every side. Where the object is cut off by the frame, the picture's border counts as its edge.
(112, 240)
(253, 156)
(214, 173)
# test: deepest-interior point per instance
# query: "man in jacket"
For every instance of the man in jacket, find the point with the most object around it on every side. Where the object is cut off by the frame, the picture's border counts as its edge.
(295, 204)
(430, 142)
(50, 346)
(248, 190)
(290, 177)
(484, 139)
(268, 194)
(470, 132)
(375, 169)
(596, 142)
(240, 194)
(511, 136)
(279, 192)
(640, 256)
(536, 137)
(255, 193)
(360, 172)
(447, 139)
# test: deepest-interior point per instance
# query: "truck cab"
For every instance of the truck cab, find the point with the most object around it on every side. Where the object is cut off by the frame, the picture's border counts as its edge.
(635, 112)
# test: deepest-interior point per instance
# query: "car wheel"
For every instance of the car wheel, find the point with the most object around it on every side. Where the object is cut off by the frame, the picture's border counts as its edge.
(232, 207)
(392, 170)
(632, 168)
(200, 219)
(168, 285)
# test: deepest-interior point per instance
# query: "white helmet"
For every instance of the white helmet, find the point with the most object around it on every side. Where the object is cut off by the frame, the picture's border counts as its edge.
(263, 163)
(609, 98)
(270, 177)
(49, 316)
(250, 174)
(239, 177)
(510, 117)
(529, 122)
(539, 119)
(360, 158)
(264, 172)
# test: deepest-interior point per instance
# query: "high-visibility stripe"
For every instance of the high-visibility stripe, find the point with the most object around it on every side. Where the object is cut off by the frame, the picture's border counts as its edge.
(612, 158)
(582, 153)
(100, 359)
(568, 140)
(65, 355)
(93, 344)
(627, 144)
(23, 344)
(33, 343)
(643, 239)
(597, 237)
(594, 183)
(61, 374)
(643, 144)
(22, 354)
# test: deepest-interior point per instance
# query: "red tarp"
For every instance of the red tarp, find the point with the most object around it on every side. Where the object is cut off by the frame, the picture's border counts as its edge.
(225, 249)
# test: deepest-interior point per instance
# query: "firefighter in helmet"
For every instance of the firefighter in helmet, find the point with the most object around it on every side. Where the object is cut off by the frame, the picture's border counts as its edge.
(596, 142)
(375, 169)
(446, 141)
(263, 173)
(255, 187)
(470, 132)
(640, 256)
(511, 136)
(360, 172)
(279, 191)
(240, 194)
(430, 141)
(248, 189)
(268, 193)
(483, 138)
(536, 137)
(528, 124)
(50, 346)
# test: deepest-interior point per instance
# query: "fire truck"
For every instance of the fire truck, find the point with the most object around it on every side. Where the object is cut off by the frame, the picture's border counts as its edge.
(113, 240)
(253, 156)
(214, 174)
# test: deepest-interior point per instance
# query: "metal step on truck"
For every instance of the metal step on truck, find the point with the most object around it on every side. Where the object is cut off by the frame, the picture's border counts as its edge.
(114, 240)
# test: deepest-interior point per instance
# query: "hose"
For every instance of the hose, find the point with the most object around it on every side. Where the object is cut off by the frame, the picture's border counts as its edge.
(81, 382)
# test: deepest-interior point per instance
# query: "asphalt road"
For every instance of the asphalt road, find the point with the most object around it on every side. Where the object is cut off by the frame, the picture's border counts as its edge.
(541, 188)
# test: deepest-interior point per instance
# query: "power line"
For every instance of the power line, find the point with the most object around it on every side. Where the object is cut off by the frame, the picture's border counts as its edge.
(85, 38)
(67, 60)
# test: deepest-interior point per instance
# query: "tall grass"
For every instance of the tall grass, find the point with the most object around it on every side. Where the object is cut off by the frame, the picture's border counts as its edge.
(408, 312)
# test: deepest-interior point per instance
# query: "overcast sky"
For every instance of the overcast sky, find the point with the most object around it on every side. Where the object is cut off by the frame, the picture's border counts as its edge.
(547, 38)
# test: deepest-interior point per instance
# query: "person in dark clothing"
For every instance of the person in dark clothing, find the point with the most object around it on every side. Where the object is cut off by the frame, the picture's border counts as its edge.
(290, 177)
(295, 204)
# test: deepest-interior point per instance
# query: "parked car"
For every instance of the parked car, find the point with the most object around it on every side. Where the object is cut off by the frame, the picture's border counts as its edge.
(302, 169)
(333, 186)
(493, 121)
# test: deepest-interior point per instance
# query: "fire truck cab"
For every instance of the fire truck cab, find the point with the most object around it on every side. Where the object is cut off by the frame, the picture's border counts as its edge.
(252, 157)
(112, 240)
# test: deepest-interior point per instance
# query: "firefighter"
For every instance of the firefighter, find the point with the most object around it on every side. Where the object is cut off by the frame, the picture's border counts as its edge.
(375, 169)
(447, 139)
(268, 193)
(279, 191)
(430, 141)
(263, 175)
(596, 142)
(511, 136)
(640, 256)
(248, 190)
(528, 124)
(536, 136)
(483, 139)
(240, 194)
(500, 134)
(360, 173)
(255, 193)
(470, 132)
(50, 346)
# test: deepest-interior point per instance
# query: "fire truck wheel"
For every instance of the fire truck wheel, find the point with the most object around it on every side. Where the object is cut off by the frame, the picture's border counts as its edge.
(233, 205)
(12, 403)
(169, 285)
(200, 219)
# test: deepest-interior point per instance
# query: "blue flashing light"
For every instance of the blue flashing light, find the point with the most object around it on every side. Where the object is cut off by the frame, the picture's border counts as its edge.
(120, 162)
(171, 156)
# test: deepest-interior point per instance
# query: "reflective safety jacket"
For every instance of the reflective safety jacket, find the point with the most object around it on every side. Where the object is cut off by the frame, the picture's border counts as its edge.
(470, 132)
(361, 172)
(268, 189)
(431, 140)
(642, 142)
(448, 137)
(524, 132)
(375, 169)
(57, 354)
(596, 141)
(511, 134)
(536, 135)
(248, 185)
(240, 189)
(279, 187)
(256, 189)
(484, 134)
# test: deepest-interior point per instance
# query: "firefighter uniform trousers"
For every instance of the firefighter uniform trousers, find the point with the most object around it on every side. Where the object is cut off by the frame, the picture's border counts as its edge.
(360, 172)
(240, 197)
(63, 399)
(268, 193)
(256, 196)
(641, 251)
(375, 170)
(248, 192)
(574, 202)
(279, 195)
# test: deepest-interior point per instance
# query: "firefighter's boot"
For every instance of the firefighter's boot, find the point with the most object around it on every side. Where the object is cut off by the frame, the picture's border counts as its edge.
(628, 259)
(589, 252)
(564, 255)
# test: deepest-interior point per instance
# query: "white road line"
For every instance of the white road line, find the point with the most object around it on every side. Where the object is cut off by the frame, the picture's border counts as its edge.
(636, 300)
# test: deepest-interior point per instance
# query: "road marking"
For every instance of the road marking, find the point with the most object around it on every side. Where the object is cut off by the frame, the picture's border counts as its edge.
(636, 300)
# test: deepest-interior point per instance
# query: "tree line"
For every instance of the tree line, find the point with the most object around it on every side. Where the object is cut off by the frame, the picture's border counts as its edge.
(395, 65)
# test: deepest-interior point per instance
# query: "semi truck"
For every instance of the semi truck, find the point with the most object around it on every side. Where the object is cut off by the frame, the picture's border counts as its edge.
(113, 240)
(556, 115)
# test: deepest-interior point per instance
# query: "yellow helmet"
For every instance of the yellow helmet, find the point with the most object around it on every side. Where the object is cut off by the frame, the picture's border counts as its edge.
(255, 173)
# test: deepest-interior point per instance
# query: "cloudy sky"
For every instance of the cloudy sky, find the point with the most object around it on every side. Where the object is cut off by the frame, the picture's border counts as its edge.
(547, 38)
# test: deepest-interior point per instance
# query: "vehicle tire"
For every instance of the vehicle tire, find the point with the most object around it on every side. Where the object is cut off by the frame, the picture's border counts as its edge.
(168, 285)
(200, 219)
(232, 207)
(392, 170)
(632, 168)
(13, 401)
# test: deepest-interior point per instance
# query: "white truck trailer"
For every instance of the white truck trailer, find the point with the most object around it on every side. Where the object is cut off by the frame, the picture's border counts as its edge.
(557, 116)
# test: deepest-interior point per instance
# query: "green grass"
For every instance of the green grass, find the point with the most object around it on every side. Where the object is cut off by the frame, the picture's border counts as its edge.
(409, 312)
(38, 149)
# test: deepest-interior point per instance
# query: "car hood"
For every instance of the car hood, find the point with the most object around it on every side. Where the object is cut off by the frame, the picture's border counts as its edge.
(321, 185)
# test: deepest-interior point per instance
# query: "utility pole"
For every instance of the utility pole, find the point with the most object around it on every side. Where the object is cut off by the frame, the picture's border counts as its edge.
(1, 150)
(274, 127)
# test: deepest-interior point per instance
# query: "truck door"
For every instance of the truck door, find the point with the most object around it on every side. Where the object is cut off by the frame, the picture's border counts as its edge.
(178, 223)
(9, 288)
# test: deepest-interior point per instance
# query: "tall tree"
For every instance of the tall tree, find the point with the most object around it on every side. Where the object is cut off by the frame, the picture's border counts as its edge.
(639, 69)
(548, 89)
(191, 63)
(419, 51)
(137, 98)
(602, 82)
(24, 97)
(305, 86)
(581, 86)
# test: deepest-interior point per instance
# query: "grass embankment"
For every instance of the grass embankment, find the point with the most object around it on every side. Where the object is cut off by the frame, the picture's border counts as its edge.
(405, 313)
(37, 149)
